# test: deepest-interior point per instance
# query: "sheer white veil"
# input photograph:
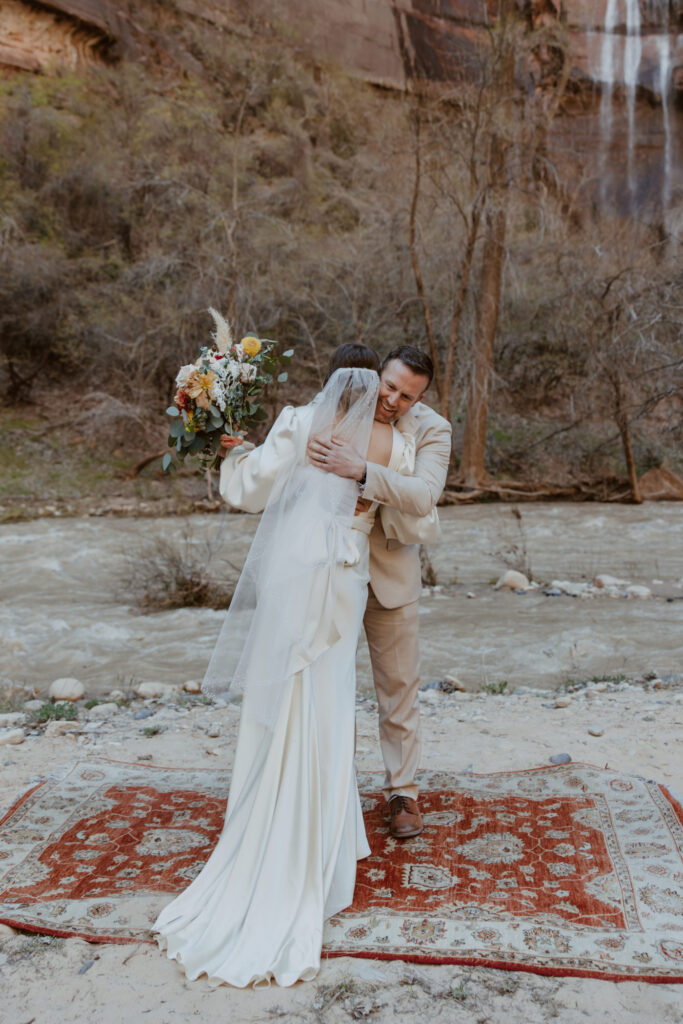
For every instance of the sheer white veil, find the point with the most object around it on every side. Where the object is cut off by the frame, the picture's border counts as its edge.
(281, 618)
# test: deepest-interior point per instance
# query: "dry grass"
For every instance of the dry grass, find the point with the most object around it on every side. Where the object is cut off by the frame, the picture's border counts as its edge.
(177, 573)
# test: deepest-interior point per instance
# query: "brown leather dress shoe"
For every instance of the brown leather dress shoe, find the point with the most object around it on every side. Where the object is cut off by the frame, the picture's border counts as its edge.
(405, 819)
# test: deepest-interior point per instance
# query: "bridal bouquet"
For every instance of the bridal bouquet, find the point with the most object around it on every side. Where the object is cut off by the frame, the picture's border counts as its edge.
(220, 393)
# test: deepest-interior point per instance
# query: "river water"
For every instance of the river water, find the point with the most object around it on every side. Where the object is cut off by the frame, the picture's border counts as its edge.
(64, 610)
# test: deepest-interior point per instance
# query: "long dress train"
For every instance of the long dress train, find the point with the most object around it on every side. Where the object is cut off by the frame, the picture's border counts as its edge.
(286, 857)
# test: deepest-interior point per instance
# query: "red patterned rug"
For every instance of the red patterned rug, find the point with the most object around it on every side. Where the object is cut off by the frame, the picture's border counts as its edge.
(565, 870)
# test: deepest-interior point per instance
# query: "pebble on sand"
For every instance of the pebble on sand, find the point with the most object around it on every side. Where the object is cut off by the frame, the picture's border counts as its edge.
(61, 727)
(563, 702)
(595, 730)
(67, 689)
(560, 758)
(192, 686)
(11, 737)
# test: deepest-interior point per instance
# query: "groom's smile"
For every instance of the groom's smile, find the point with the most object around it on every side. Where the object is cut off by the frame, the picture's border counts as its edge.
(399, 389)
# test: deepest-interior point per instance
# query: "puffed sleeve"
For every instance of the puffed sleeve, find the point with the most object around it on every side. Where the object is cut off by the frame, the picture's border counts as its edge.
(248, 473)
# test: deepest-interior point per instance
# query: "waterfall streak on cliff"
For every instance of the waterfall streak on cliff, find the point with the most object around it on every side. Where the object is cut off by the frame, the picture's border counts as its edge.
(632, 53)
(607, 74)
(664, 51)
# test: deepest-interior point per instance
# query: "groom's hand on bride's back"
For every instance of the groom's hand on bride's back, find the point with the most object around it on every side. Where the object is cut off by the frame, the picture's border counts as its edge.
(336, 457)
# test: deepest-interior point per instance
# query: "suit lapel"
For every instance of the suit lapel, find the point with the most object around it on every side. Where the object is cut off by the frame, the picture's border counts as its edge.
(408, 423)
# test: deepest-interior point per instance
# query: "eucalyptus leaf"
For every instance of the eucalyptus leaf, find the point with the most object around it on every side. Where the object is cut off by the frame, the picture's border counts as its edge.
(177, 428)
(282, 377)
(172, 411)
(260, 415)
(166, 462)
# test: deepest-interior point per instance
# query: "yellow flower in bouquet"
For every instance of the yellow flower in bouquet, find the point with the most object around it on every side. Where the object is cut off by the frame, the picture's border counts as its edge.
(250, 346)
(199, 382)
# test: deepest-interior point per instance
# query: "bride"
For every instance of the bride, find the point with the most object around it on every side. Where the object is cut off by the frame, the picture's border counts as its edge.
(293, 831)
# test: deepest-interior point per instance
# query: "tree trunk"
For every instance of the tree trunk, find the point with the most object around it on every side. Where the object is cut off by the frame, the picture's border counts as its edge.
(454, 336)
(621, 418)
(415, 261)
(472, 464)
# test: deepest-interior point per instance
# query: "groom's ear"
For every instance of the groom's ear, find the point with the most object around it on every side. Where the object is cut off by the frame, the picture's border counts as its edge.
(422, 393)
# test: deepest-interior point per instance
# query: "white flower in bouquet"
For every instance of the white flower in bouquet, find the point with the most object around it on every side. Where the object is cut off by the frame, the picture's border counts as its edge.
(217, 393)
(247, 372)
(233, 370)
(185, 373)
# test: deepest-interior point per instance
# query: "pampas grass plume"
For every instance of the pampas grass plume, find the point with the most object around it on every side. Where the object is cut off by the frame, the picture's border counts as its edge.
(222, 336)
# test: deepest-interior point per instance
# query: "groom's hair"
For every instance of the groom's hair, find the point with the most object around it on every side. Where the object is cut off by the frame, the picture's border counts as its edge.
(416, 360)
(350, 355)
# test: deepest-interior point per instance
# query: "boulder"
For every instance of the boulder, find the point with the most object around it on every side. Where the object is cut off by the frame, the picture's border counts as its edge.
(103, 710)
(12, 718)
(512, 580)
(604, 580)
(450, 682)
(10, 737)
(66, 689)
(155, 690)
(661, 484)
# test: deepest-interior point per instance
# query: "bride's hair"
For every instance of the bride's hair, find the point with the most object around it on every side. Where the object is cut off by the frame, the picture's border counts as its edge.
(352, 355)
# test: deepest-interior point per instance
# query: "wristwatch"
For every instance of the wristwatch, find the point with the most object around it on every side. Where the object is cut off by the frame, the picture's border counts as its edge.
(362, 481)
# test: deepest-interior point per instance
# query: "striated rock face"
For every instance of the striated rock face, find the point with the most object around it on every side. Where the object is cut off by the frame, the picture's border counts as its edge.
(620, 125)
(618, 135)
(69, 35)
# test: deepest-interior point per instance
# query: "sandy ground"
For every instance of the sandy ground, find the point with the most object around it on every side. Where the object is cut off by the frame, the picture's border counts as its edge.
(50, 981)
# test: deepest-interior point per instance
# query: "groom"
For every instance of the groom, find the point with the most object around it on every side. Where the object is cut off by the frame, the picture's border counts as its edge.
(391, 617)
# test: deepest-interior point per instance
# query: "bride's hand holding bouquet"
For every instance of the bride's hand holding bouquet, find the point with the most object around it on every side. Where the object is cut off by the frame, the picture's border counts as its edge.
(218, 396)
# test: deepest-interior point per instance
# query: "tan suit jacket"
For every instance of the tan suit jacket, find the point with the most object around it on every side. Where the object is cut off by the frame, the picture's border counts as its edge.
(406, 518)
(395, 575)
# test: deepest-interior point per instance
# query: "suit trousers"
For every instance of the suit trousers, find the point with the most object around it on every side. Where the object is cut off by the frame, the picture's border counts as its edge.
(394, 651)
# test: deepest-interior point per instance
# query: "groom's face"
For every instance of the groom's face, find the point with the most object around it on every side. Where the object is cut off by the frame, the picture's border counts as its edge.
(399, 389)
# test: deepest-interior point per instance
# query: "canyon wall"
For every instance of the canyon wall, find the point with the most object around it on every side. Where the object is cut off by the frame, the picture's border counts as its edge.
(619, 129)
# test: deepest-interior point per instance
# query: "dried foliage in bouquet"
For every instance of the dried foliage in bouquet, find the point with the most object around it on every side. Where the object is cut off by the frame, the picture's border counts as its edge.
(220, 393)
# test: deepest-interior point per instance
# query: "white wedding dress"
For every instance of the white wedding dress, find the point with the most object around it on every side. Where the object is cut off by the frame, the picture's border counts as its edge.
(293, 831)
